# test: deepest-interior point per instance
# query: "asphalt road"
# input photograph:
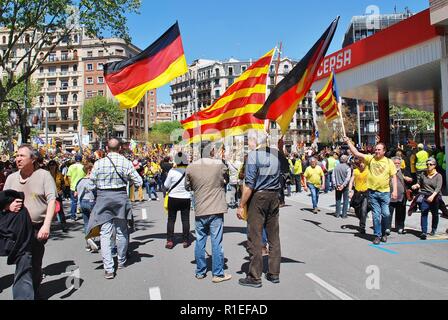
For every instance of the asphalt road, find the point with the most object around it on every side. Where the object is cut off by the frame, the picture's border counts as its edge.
(323, 258)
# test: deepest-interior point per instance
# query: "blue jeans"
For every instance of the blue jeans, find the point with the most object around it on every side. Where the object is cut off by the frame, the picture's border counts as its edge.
(73, 205)
(264, 237)
(342, 196)
(328, 182)
(379, 201)
(314, 194)
(114, 229)
(298, 182)
(151, 190)
(86, 209)
(212, 225)
(426, 208)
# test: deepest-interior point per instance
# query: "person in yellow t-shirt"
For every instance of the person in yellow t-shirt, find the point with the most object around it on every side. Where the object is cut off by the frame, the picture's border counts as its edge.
(381, 170)
(314, 180)
(359, 194)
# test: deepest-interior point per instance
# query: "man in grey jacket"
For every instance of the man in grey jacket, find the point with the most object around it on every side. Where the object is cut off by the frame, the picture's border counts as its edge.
(207, 179)
(341, 179)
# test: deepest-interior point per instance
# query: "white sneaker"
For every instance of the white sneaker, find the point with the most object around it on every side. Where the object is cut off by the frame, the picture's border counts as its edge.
(92, 244)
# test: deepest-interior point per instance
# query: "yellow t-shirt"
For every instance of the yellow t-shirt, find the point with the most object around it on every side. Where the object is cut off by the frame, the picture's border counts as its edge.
(314, 175)
(403, 164)
(360, 179)
(380, 172)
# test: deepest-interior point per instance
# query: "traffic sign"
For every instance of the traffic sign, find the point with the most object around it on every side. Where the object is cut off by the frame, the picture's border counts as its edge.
(445, 120)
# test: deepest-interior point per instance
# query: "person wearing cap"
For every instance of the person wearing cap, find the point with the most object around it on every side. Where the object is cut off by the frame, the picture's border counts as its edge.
(179, 199)
(75, 173)
(429, 185)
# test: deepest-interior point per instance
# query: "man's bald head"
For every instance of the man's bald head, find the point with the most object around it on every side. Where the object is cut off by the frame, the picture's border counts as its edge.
(113, 145)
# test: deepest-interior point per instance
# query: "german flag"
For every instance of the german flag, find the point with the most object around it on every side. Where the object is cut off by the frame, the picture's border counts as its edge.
(233, 113)
(327, 99)
(286, 96)
(161, 62)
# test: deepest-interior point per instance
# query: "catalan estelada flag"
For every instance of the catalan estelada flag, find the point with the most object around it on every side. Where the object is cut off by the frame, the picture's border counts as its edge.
(283, 101)
(161, 62)
(327, 99)
(233, 113)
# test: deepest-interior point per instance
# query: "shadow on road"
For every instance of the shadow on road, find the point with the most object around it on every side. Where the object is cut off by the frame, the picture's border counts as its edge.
(318, 224)
(6, 282)
(59, 268)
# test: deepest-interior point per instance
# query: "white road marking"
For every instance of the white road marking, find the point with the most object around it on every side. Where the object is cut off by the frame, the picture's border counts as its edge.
(144, 214)
(329, 287)
(154, 293)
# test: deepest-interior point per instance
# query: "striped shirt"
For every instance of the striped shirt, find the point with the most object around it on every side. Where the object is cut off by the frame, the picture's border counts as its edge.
(105, 177)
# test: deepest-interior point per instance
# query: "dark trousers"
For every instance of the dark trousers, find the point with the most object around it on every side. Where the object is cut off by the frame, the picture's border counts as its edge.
(263, 211)
(22, 288)
(281, 194)
(28, 275)
(182, 205)
(361, 207)
(37, 252)
(400, 214)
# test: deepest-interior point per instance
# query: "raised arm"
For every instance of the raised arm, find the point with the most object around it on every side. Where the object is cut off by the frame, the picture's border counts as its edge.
(353, 149)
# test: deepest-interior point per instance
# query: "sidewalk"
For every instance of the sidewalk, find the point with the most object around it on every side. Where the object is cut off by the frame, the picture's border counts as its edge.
(327, 203)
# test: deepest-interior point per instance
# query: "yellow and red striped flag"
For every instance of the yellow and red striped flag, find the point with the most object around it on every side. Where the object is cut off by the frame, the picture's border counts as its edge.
(233, 113)
(327, 99)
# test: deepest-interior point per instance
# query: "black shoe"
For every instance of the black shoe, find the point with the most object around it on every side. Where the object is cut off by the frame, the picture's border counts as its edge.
(248, 282)
(377, 241)
(423, 236)
(272, 278)
(362, 231)
(433, 233)
(384, 239)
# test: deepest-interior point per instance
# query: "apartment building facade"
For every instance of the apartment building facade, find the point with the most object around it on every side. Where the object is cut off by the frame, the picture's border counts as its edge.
(70, 75)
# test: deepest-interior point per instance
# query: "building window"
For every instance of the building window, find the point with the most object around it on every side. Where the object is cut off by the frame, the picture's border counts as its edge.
(217, 94)
(75, 82)
(89, 94)
(75, 114)
(89, 54)
(230, 71)
(75, 97)
(89, 80)
(100, 53)
(75, 38)
(89, 67)
(64, 99)
(41, 70)
(100, 80)
(4, 39)
(51, 100)
(75, 67)
(119, 52)
(51, 83)
(100, 66)
(151, 93)
(100, 92)
(243, 69)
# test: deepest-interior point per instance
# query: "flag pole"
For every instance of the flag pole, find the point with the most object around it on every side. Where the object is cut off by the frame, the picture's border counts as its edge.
(267, 122)
(340, 114)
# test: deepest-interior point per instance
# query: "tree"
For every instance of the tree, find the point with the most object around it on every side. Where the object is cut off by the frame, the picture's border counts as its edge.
(15, 101)
(332, 132)
(101, 115)
(39, 26)
(161, 132)
(417, 121)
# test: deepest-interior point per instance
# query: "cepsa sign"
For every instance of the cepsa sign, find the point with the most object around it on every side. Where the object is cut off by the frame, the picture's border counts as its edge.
(338, 61)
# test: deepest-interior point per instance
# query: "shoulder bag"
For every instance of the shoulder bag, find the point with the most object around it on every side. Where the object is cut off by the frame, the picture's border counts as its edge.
(165, 201)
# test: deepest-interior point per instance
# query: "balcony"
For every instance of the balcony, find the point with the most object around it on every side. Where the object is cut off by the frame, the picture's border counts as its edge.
(61, 59)
(64, 119)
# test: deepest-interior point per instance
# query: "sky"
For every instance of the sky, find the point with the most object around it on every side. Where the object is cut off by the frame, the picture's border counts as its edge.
(247, 29)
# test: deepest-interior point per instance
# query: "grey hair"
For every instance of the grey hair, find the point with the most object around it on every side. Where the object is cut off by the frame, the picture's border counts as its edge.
(343, 159)
(432, 160)
(313, 159)
(397, 158)
(259, 136)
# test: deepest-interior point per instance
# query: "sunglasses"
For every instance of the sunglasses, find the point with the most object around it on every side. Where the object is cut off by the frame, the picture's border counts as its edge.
(430, 164)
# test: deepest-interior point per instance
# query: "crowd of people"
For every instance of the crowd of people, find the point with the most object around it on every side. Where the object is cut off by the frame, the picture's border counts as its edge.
(102, 185)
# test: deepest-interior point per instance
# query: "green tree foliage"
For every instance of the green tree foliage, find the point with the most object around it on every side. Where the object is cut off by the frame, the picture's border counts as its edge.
(417, 121)
(162, 132)
(16, 100)
(101, 115)
(39, 26)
